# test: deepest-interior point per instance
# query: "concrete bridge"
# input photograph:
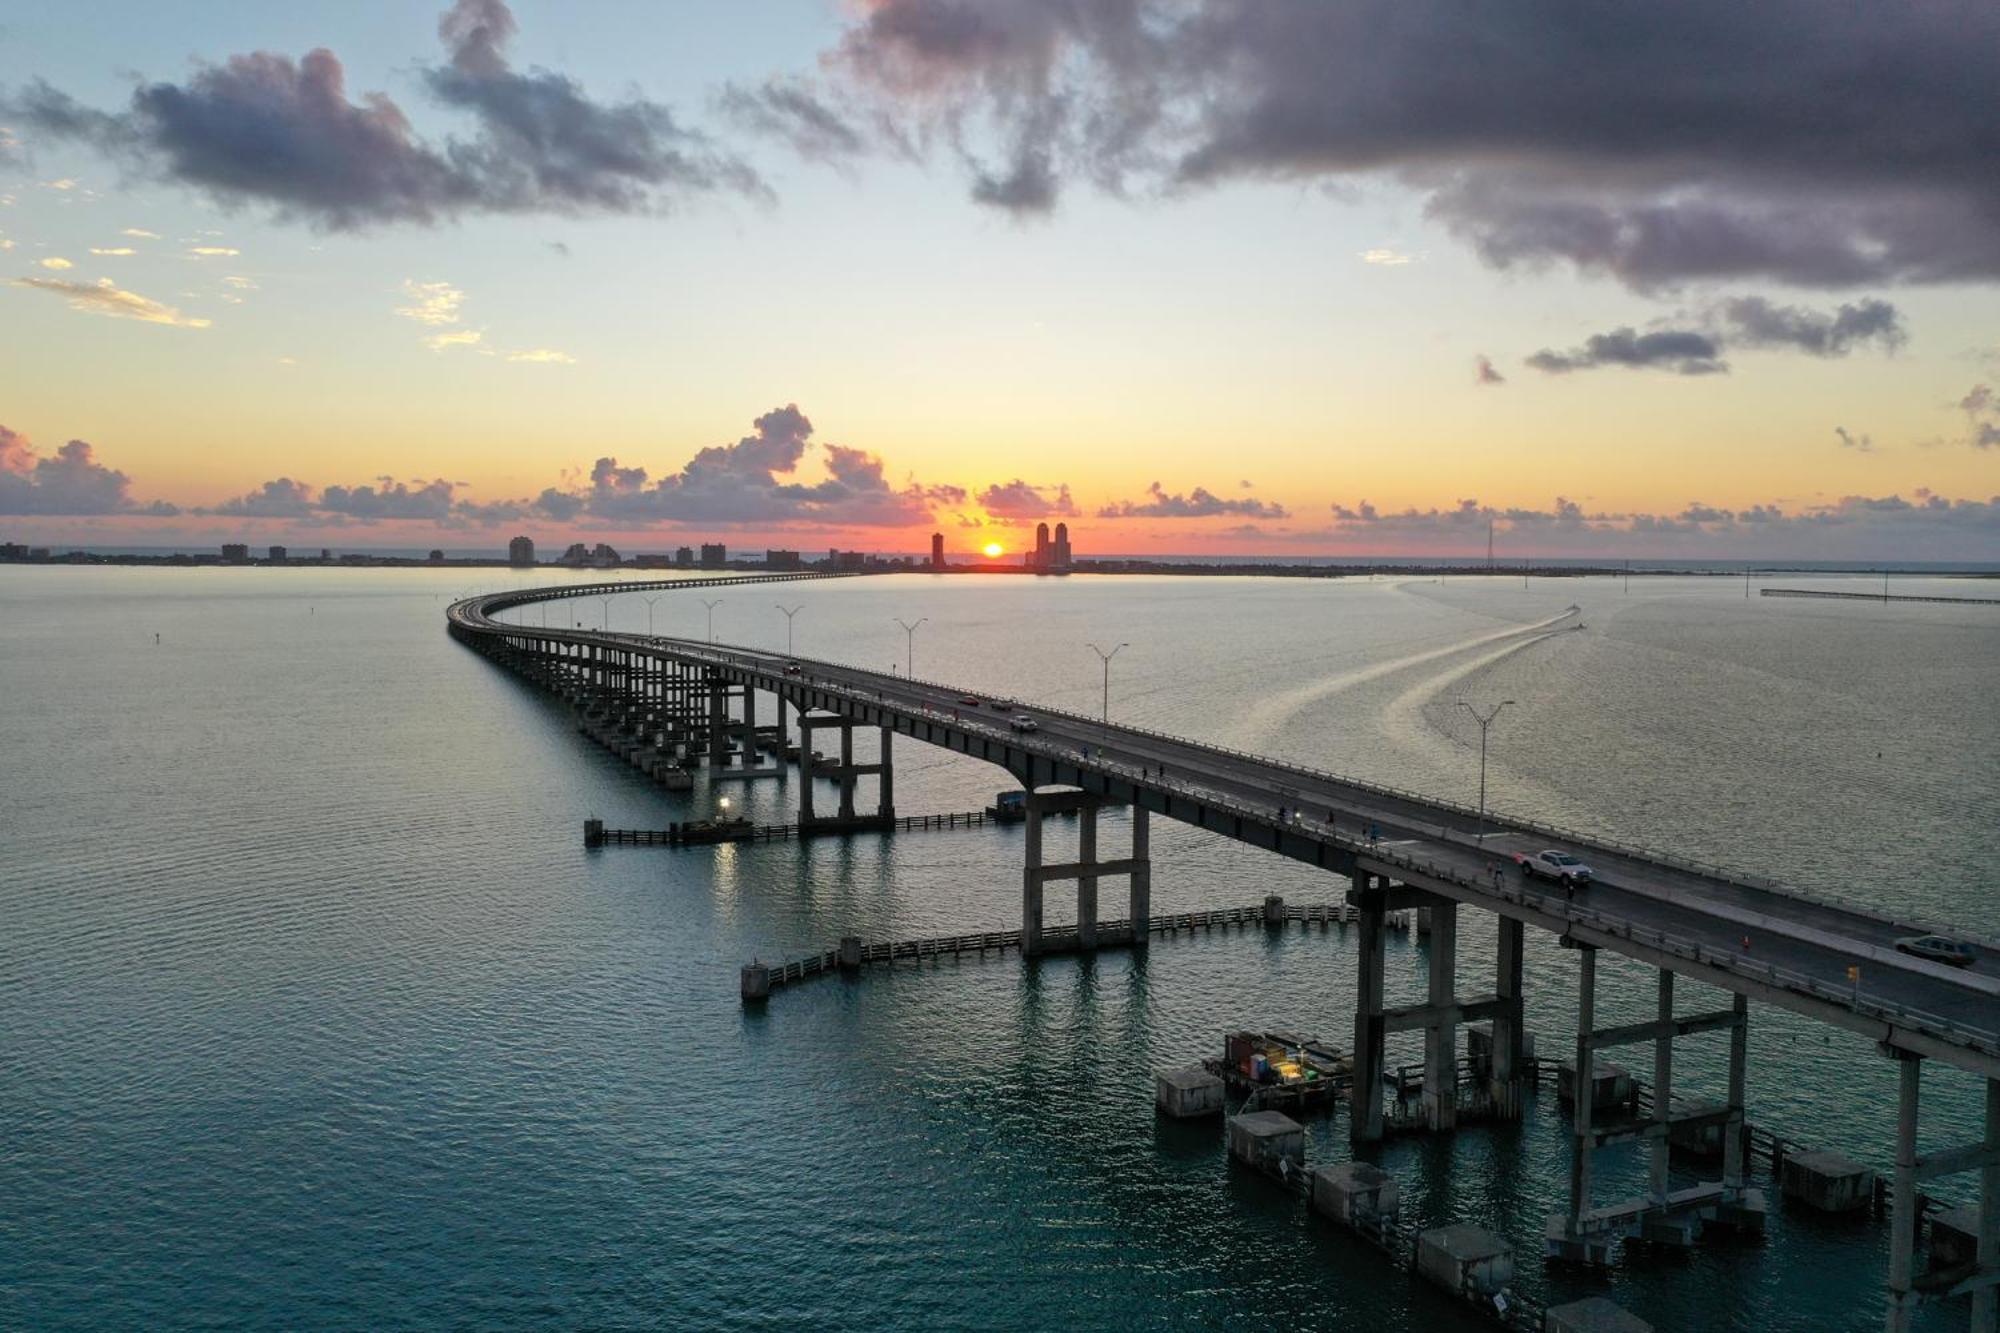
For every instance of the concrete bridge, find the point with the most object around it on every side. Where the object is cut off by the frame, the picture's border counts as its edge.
(1832, 961)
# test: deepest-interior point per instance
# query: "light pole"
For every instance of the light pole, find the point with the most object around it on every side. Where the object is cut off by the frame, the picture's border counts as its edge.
(607, 611)
(711, 605)
(1106, 657)
(649, 601)
(1485, 721)
(910, 636)
(790, 611)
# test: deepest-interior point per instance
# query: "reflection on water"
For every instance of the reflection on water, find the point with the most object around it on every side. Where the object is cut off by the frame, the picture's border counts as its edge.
(319, 1015)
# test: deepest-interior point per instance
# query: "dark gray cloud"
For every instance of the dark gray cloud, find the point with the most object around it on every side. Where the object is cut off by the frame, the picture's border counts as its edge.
(1198, 503)
(796, 113)
(1860, 444)
(265, 130)
(70, 481)
(1825, 146)
(1018, 501)
(1484, 375)
(1982, 416)
(1682, 351)
(282, 498)
(1753, 321)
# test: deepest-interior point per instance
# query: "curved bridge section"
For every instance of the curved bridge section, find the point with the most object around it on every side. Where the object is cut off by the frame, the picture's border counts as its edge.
(1833, 961)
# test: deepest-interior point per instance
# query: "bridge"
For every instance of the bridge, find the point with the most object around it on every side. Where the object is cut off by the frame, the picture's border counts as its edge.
(1833, 961)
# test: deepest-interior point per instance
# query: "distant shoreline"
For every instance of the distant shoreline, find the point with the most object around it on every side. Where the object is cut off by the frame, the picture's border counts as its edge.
(1237, 567)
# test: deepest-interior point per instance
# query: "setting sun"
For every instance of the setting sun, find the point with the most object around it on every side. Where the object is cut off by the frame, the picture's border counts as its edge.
(993, 549)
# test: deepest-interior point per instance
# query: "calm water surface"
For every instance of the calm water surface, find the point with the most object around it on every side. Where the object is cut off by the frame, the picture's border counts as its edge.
(318, 1015)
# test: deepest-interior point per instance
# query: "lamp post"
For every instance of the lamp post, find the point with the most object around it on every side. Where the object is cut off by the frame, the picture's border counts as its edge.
(711, 605)
(607, 611)
(910, 638)
(649, 601)
(790, 611)
(1484, 720)
(1106, 658)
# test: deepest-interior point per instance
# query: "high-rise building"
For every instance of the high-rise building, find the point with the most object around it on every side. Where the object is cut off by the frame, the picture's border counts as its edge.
(278, 554)
(713, 555)
(937, 550)
(1059, 553)
(521, 552)
(1041, 556)
(235, 553)
(684, 557)
(781, 560)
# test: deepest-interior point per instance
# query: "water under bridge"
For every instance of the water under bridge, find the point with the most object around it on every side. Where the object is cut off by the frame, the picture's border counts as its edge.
(1833, 961)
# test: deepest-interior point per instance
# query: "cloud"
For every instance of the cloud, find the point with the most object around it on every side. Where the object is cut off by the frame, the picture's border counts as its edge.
(212, 251)
(442, 342)
(794, 112)
(1753, 321)
(1017, 501)
(140, 233)
(283, 498)
(1199, 503)
(1384, 258)
(1982, 416)
(1567, 134)
(70, 482)
(266, 130)
(1484, 374)
(118, 250)
(56, 263)
(431, 302)
(107, 298)
(542, 356)
(1683, 351)
(1860, 444)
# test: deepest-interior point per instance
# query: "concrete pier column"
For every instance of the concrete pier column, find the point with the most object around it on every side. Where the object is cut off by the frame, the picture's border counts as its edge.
(1504, 1078)
(805, 770)
(1663, 1088)
(1086, 883)
(784, 738)
(1441, 1038)
(846, 771)
(749, 726)
(1142, 879)
(718, 717)
(1031, 882)
(1735, 1150)
(1986, 1301)
(1365, 1119)
(886, 806)
(1585, 1085)
(1903, 1199)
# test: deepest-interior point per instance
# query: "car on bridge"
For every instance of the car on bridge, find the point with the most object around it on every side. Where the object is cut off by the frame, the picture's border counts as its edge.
(971, 700)
(1561, 867)
(1937, 948)
(1022, 722)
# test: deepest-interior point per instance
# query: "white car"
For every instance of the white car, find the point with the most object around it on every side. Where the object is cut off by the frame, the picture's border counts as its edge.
(1022, 722)
(1561, 867)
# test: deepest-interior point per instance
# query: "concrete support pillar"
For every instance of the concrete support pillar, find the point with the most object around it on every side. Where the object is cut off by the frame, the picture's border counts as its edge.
(718, 716)
(749, 726)
(1663, 1089)
(1365, 1118)
(1142, 879)
(1903, 1199)
(1986, 1301)
(1031, 883)
(1086, 883)
(1441, 1039)
(1504, 1078)
(805, 770)
(784, 737)
(846, 772)
(1735, 1151)
(886, 806)
(1585, 1085)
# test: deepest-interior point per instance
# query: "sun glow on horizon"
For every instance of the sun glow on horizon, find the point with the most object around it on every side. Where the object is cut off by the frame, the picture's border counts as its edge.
(993, 549)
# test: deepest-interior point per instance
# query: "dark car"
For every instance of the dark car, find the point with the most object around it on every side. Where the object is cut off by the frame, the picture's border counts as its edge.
(1937, 948)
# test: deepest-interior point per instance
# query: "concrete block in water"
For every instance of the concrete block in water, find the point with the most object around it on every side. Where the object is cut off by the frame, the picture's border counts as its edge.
(1827, 1181)
(1187, 1093)
(1264, 1138)
(1465, 1259)
(1479, 1046)
(1274, 910)
(1954, 1237)
(1595, 1315)
(1354, 1191)
(1611, 1084)
(850, 953)
(756, 982)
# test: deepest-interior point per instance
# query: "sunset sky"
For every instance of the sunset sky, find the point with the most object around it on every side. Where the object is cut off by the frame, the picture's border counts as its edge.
(1247, 276)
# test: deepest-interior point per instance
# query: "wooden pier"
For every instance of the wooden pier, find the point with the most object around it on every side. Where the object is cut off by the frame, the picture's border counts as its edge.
(709, 833)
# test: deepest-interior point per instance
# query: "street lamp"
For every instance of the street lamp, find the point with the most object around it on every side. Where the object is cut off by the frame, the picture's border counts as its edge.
(607, 611)
(790, 611)
(711, 605)
(649, 614)
(910, 637)
(1485, 720)
(1107, 673)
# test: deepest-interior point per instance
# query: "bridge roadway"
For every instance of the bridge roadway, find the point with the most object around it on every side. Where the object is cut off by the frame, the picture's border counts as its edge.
(1774, 944)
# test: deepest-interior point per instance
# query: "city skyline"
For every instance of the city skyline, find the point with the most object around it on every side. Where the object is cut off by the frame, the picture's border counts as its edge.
(396, 278)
